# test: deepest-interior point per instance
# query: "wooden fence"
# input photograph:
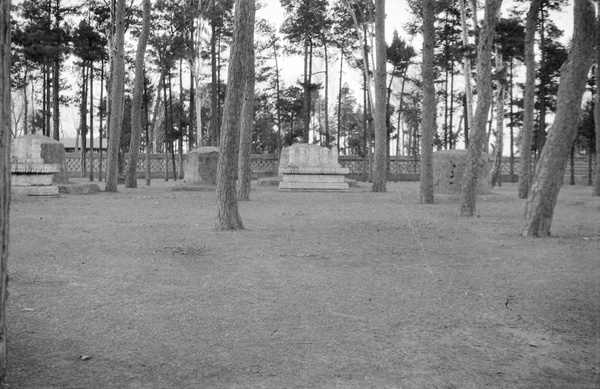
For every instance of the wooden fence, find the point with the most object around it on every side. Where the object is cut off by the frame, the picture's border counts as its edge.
(401, 168)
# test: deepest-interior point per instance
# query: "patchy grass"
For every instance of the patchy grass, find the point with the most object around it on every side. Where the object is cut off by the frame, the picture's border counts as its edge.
(322, 290)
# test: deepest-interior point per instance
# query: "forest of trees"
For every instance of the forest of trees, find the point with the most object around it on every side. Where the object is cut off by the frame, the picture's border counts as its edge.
(62, 61)
(161, 86)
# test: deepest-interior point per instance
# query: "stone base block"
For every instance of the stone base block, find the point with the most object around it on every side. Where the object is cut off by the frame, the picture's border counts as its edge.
(39, 179)
(78, 188)
(313, 182)
(48, 190)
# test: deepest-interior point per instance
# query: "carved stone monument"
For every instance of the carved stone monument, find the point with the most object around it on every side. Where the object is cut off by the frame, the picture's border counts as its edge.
(201, 166)
(449, 168)
(306, 167)
(30, 174)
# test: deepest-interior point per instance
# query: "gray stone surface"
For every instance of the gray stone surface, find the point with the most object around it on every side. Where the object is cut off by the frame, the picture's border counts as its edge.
(449, 167)
(36, 149)
(78, 188)
(305, 167)
(201, 166)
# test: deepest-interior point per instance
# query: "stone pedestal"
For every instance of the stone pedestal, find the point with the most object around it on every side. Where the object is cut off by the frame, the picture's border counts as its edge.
(201, 166)
(30, 174)
(449, 168)
(305, 167)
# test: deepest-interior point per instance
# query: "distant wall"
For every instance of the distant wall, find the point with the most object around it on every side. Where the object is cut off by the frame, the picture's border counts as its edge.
(402, 168)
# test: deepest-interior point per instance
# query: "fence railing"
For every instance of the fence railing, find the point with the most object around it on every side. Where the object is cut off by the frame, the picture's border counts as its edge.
(402, 167)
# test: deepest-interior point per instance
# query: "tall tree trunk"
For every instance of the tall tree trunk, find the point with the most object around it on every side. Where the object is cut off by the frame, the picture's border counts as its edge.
(596, 191)
(117, 93)
(484, 98)
(101, 114)
(429, 105)
(540, 133)
(550, 169)
(136, 102)
(306, 85)
(91, 121)
(214, 106)
(327, 134)
(339, 110)
(512, 121)
(83, 118)
(467, 72)
(501, 90)
(228, 217)
(525, 168)
(5, 129)
(379, 114)
(247, 121)
(171, 143)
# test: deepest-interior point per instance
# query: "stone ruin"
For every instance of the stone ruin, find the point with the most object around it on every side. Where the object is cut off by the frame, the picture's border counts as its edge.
(201, 166)
(306, 167)
(37, 165)
(449, 168)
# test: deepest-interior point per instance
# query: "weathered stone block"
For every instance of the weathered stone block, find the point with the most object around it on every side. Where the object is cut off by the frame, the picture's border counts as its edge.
(201, 166)
(449, 168)
(305, 167)
(36, 149)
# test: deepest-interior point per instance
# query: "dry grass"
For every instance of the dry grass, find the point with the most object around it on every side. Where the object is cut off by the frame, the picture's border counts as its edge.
(322, 290)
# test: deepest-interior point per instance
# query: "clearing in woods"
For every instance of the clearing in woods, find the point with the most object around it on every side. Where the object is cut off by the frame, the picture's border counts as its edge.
(323, 290)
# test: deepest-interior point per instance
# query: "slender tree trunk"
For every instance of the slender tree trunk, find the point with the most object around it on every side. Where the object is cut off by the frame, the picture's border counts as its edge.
(429, 104)
(136, 102)
(512, 121)
(117, 93)
(327, 134)
(467, 72)
(379, 114)
(171, 143)
(484, 98)
(83, 119)
(228, 217)
(247, 120)
(501, 90)
(56, 81)
(306, 85)
(525, 168)
(91, 121)
(550, 170)
(596, 191)
(101, 114)
(214, 111)
(339, 110)
(181, 104)
(5, 129)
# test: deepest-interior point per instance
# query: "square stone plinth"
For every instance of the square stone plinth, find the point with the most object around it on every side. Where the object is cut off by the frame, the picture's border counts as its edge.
(48, 190)
(40, 179)
(313, 183)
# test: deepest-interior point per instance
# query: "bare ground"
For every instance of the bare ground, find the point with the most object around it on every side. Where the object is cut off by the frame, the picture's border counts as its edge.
(322, 290)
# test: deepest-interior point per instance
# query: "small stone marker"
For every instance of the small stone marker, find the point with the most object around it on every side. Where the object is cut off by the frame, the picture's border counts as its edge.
(201, 166)
(306, 167)
(449, 169)
(30, 174)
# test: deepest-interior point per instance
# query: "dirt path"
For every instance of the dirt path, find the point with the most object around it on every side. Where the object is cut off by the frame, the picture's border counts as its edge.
(323, 290)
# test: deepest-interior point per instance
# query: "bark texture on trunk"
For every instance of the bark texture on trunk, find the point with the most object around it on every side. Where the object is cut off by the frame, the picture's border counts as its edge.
(549, 174)
(484, 99)
(116, 91)
(429, 104)
(5, 124)
(136, 102)
(525, 168)
(501, 92)
(247, 121)
(379, 114)
(597, 114)
(228, 217)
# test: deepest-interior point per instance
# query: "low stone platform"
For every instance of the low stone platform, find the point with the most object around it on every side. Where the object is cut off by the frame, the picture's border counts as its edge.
(193, 188)
(305, 167)
(78, 188)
